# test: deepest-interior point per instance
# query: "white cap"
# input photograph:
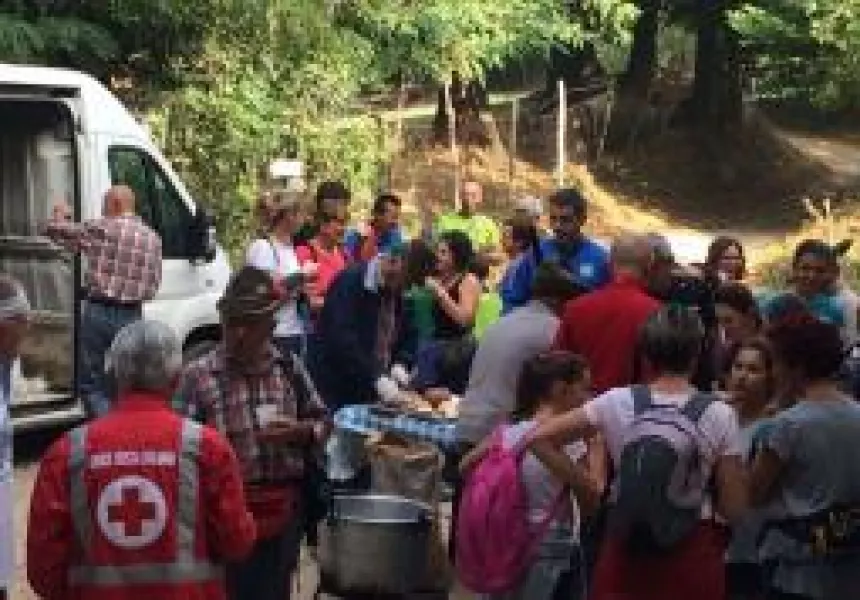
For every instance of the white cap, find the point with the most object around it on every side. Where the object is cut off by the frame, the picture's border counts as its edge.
(530, 205)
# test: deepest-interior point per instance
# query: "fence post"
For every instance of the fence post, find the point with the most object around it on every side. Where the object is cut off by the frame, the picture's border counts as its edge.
(561, 134)
(512, 149)
(452, 138)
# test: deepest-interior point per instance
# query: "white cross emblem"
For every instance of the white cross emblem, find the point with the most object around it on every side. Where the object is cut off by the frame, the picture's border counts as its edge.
(132, 512)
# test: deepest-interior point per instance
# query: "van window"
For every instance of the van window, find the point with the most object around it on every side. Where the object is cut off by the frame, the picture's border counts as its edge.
(158, 202)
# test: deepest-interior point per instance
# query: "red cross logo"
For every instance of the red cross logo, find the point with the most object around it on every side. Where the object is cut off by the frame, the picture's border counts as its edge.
(132, 512)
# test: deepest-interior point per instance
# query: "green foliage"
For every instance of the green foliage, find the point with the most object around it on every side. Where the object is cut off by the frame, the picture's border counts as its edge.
(807, 50)
(434, 38)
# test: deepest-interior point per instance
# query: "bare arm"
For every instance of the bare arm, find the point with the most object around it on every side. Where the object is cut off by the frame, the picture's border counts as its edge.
(563, 429)
(584, 484)
(464, 310)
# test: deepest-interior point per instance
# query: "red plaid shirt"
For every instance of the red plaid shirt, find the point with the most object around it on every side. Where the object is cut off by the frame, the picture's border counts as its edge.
(211, 392)
(123, 256)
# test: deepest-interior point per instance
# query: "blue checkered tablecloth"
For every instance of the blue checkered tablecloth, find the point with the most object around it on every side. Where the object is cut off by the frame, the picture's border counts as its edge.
(362, 419)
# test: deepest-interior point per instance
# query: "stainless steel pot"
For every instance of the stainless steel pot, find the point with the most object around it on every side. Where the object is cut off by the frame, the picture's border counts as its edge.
(374, 544)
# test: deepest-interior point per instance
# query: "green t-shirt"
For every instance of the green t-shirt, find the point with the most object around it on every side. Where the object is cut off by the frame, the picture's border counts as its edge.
(419, 303)
(489, 311)
(481, 229)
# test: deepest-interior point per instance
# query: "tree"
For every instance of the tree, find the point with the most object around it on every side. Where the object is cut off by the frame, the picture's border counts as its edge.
(808, 51)
(456, 42)
(137, 38)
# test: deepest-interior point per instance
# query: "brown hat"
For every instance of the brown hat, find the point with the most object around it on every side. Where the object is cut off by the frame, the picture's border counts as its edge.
(250, 293)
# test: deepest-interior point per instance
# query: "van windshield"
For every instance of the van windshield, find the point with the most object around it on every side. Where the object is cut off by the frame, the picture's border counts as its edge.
(36, 160)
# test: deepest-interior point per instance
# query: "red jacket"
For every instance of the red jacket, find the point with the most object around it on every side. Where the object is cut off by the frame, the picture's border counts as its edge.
(604, 327)
(140, 504)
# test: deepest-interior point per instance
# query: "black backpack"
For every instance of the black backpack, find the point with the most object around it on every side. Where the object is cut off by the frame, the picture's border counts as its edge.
(660, 478)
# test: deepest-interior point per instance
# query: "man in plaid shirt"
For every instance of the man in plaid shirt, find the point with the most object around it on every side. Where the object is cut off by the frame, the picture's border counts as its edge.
(267, 407)
(123, 270)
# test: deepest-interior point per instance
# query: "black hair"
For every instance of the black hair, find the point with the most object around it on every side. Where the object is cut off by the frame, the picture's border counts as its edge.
(764, 348)
(738, 297)
(420, 262)
(671, 339)
(554, 284)
(811, 348)
(382, 202)
(570, 198)
(818, 249)
(525, 234)
(331, 190)
(462, 252)
(540, 373)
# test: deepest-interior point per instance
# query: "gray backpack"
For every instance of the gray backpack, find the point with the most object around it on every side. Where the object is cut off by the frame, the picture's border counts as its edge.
(660, 478)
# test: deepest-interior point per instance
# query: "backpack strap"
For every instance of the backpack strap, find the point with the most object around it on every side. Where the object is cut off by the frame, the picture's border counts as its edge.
(642, 400)
(696, 406)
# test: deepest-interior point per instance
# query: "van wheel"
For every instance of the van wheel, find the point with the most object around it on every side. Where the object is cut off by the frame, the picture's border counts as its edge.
(197, 350)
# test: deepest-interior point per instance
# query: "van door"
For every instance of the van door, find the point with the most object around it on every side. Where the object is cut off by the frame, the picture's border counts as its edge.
(38, 167)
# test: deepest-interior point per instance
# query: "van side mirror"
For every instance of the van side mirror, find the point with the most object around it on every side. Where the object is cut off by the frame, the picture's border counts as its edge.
(202, 244)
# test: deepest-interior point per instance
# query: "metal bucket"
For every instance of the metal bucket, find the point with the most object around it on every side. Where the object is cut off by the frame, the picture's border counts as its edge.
(374, 544)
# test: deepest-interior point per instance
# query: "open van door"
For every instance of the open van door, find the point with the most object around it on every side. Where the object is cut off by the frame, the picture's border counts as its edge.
(38, 168)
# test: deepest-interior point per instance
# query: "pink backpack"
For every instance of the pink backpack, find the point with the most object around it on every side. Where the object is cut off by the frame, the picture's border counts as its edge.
(495, 543)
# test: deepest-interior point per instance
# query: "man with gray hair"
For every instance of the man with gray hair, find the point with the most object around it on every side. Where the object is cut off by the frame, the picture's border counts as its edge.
(139, 501)
(14, 309)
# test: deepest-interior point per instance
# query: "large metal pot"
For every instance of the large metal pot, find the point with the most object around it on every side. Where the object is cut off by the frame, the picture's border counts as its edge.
(374, 544)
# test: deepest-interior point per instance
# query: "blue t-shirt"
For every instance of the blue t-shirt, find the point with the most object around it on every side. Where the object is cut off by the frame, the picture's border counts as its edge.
(353, 239)
(828, 308)
(587, 262)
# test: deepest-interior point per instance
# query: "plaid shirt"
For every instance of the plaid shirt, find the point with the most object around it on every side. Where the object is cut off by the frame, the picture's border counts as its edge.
(123, 256)
(212, 393)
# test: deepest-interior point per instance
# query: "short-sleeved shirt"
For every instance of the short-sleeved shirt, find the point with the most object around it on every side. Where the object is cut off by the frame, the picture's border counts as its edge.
(482, 231)
(586, 261)
(542, 487)
(604, 327)
(817, 445)
(505, 346)
(361, 248)
(612, 414)
(280, 260)
(329, 262)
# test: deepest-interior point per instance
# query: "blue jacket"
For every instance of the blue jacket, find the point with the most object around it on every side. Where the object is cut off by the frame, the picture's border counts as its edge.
(588, 264)
(345, 366)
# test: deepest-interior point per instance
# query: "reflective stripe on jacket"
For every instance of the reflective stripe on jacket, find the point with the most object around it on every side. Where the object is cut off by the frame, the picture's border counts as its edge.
(185, 567)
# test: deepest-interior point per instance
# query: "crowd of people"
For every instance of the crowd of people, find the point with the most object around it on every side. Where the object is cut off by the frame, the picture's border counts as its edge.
(684, 434)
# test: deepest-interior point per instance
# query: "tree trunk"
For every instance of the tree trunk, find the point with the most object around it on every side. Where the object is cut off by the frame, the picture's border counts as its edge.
(469, 100)
(642, 64)
(717, 88)
(578, 67)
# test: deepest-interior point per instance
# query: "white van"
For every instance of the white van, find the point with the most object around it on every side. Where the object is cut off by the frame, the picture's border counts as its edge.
(64, 137)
